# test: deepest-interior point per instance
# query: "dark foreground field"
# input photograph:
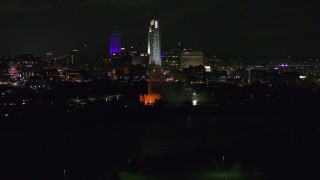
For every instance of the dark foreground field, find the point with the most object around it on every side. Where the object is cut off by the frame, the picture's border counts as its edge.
(265, 142)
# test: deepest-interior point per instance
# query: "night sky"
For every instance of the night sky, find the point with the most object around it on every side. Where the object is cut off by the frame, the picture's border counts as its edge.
(221, 27)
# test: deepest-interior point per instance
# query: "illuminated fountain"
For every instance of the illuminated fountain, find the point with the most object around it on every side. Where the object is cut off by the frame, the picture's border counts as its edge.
(150, 98)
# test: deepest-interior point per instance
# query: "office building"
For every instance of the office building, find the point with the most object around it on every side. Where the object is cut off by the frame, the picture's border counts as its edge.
(191, 59)
(171, 60)
(154, 43)
(115, 43)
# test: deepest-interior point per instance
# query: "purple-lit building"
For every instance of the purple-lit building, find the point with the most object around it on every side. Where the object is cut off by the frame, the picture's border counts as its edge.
(115, 43)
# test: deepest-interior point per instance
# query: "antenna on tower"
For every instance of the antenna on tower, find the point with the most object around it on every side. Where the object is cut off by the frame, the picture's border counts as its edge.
(85, 40)
(46, 39)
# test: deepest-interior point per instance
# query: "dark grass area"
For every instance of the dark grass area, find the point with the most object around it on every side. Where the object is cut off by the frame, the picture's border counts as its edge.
(280, 140)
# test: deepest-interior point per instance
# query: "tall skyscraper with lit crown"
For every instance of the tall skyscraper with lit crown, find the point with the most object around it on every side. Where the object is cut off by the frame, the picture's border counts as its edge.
(154, 43)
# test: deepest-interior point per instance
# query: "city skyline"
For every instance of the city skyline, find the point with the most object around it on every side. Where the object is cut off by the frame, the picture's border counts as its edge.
(265, 28)
(159, 89)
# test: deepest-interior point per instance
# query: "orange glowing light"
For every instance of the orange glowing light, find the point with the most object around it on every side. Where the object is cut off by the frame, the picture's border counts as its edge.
(149, 99)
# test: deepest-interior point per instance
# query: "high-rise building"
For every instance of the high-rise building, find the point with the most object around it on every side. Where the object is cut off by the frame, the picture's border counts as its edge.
(154, 43)
(115, 43)
(171, 60)
(191, 59)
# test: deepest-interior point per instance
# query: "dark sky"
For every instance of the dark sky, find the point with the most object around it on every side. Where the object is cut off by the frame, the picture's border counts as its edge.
(222, 27)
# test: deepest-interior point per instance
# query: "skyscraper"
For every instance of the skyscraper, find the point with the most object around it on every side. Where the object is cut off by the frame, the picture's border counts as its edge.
(154, 43)
(115, 43)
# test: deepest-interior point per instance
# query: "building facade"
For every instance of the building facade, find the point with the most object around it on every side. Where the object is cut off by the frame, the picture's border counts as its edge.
(171, 60)
(154, 43)
(191, 59)
(115, 43)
